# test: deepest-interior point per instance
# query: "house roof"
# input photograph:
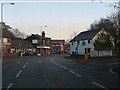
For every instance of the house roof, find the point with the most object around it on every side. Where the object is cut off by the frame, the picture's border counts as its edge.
(34, 36)
(86, 35)
(57, 40)
(7, 33)
(20, 43)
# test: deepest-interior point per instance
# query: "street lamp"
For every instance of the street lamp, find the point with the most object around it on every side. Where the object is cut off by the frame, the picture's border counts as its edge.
(1, 28)
(2, 4)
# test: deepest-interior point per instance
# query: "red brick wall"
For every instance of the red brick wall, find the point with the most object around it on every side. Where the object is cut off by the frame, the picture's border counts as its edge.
(9, 54)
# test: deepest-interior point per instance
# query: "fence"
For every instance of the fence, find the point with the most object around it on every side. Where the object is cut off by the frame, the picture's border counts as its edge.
(100, 53)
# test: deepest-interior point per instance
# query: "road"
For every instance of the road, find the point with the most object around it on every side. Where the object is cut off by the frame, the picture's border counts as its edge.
(54, 71)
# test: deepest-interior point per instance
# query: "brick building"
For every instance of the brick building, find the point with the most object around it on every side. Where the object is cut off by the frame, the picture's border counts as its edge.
(7, 37)
(41, 44)
(58, 46)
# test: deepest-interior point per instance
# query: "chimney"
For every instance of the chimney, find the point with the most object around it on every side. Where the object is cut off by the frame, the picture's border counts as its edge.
(43, 34)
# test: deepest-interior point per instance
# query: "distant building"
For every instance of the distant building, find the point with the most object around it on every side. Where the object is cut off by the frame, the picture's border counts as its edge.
(67, 47)
(58, 46)
(41, 44)
(84, 43)
(7, 37)
(19, 46)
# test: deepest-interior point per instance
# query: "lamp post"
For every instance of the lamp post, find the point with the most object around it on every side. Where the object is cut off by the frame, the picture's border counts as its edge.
(118, 42)
(1, 28)
(2, 4)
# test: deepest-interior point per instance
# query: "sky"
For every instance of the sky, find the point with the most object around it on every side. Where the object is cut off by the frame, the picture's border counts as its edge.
(61, 18)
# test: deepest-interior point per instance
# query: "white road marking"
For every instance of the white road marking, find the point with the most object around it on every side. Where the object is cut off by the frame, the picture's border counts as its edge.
(63, 66)
(75, 73)
(112, 71)
(24, 66)
(99, 85)
(18, 73)
(9, 86)
(54, 62)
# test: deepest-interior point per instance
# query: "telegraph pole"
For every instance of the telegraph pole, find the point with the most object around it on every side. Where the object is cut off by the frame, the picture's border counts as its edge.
(118, 40)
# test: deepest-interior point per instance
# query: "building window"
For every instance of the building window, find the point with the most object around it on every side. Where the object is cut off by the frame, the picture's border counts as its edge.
(34, 41)
(78, 42)
(85, 50)
(72, 43)
(88, 50)
(43, 42)
(8, 41)
(8, 50)
(88, 41)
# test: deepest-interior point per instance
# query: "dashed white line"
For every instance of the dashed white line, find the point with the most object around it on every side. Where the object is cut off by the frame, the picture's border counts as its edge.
(18, 73)
(24, 66)
(75, 73)
(9, 86)
(99, 85)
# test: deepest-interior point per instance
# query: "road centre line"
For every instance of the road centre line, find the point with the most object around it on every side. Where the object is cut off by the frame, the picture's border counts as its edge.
(75, 73)
(9, 86)
(99, 85)
(18, 73)
(24, 66)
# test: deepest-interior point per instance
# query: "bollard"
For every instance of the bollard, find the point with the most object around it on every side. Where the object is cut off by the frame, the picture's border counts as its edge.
(86, 56)
(21, 55)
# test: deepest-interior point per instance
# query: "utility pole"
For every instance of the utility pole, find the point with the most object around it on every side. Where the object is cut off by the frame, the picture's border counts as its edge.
(118, 42)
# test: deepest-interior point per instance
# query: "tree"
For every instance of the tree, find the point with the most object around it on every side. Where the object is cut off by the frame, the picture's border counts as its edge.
(108, 24)
(113, 29)
(103, 42)
(18, 33)
(72, 35)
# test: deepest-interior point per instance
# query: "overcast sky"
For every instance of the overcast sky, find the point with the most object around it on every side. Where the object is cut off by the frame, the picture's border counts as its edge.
(61, 18)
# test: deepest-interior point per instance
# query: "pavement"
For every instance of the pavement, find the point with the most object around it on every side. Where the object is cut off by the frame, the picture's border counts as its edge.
(56, 71)
(95, 60)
